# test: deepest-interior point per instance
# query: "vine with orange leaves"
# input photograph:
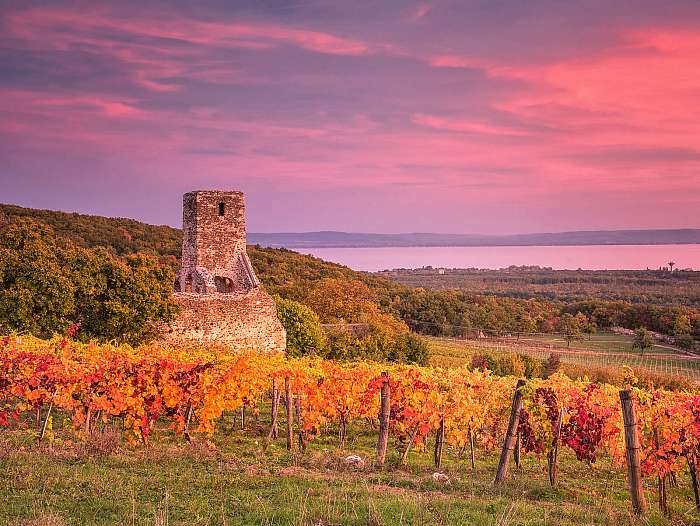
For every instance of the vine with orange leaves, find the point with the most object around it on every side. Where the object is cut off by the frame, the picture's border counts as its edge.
(92, 383)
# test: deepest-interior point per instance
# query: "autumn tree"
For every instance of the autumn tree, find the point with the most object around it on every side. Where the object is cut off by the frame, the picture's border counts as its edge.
(342, 301)
(643, 340)
(682, 325)
(571, 327)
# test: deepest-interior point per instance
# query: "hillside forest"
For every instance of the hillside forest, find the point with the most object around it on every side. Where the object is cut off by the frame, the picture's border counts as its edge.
(110, 279)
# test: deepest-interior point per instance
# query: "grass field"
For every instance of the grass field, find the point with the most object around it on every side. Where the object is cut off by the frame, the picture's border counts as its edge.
(598, 350)
(234, 482)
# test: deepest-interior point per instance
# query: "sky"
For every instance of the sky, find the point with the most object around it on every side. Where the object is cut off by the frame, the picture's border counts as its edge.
(383, 116)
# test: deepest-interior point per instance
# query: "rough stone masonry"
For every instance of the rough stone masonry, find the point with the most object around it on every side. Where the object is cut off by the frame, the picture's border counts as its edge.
(219, 295)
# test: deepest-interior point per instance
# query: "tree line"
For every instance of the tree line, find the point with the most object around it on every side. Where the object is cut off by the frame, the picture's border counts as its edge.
(114, 277)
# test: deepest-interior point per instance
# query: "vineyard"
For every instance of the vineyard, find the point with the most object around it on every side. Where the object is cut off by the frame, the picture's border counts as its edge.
(467, 411)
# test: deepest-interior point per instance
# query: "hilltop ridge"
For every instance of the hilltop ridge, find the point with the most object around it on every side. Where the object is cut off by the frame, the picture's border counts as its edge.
(333, 239)
(129, 235)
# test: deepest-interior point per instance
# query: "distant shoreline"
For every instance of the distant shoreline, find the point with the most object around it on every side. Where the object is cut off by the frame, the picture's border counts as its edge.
(332, 239)
(557, 257)
(491, 245)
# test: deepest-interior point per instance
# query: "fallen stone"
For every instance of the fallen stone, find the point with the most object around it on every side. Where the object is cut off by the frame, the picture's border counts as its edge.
(354, 461)
(441, 478)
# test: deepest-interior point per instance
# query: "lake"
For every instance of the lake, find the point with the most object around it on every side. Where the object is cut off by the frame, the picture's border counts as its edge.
(591, 257)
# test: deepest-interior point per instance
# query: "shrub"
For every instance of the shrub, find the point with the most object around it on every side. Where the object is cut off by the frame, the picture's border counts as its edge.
(552, 365)
(507, 364)
(684, 341)
(304, 332)
(378, 343)
(533, 366)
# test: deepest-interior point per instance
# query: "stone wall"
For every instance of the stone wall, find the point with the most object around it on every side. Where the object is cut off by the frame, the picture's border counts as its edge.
(240, 321)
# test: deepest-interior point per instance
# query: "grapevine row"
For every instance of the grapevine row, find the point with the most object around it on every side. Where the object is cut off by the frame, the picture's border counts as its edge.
(191, 389)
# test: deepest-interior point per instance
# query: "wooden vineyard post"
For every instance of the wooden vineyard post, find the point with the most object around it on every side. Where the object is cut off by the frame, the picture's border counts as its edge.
(275, 409)
(300, 424)
(693, 468)
(554, 453)
(439, 443)
(632, 446)
(661, 483)
(290, 413)
(188, 417)
(88, 416)
(411, 440)
(471, 446)
(46, 421)
(384, 409)
(509, 441)
(272, 434)
(516, 450)
(342, 431)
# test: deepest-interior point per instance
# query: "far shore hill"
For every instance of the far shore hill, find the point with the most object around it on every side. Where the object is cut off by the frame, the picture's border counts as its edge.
(332, 239)
(83, 227)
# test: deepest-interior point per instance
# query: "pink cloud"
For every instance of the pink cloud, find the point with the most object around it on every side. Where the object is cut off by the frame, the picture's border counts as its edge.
(29, 24)
(459, 62)
(622, 120)
(641, 94)
(420, 12)
(140, 43)
(466, 125)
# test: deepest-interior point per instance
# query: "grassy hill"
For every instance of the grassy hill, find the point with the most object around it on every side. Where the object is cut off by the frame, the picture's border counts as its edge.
(275, 266)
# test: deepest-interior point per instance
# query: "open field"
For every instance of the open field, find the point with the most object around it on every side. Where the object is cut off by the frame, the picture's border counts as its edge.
(231, 481)
(599, 350)
(659, 287)
(604, 342)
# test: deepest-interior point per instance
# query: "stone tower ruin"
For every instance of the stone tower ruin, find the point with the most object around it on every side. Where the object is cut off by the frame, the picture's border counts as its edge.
(214, 257)
(219, 295)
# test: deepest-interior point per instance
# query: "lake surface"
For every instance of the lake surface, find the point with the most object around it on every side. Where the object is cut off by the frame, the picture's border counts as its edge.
(592, 257)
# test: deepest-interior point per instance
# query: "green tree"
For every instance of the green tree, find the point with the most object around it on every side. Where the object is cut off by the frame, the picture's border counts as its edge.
(589, 327)
(36, 295)
(682, 329)
(124, 299)
(643, 340)
(571, 327)
(303, 327)
(682, 326)
(47, 284)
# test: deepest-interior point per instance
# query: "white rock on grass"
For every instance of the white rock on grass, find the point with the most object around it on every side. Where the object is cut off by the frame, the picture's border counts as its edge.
(355, 461)
(441, 478)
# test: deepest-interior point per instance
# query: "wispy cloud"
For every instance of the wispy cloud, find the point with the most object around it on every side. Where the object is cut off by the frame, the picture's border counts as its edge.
(376, 112)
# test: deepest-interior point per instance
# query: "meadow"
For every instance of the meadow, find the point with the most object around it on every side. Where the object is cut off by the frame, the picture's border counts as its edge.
(230, 480)
(595, 353)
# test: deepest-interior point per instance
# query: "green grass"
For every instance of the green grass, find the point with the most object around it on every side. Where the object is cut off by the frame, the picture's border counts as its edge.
(597, 351)
(601, 342)
(232, 481)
